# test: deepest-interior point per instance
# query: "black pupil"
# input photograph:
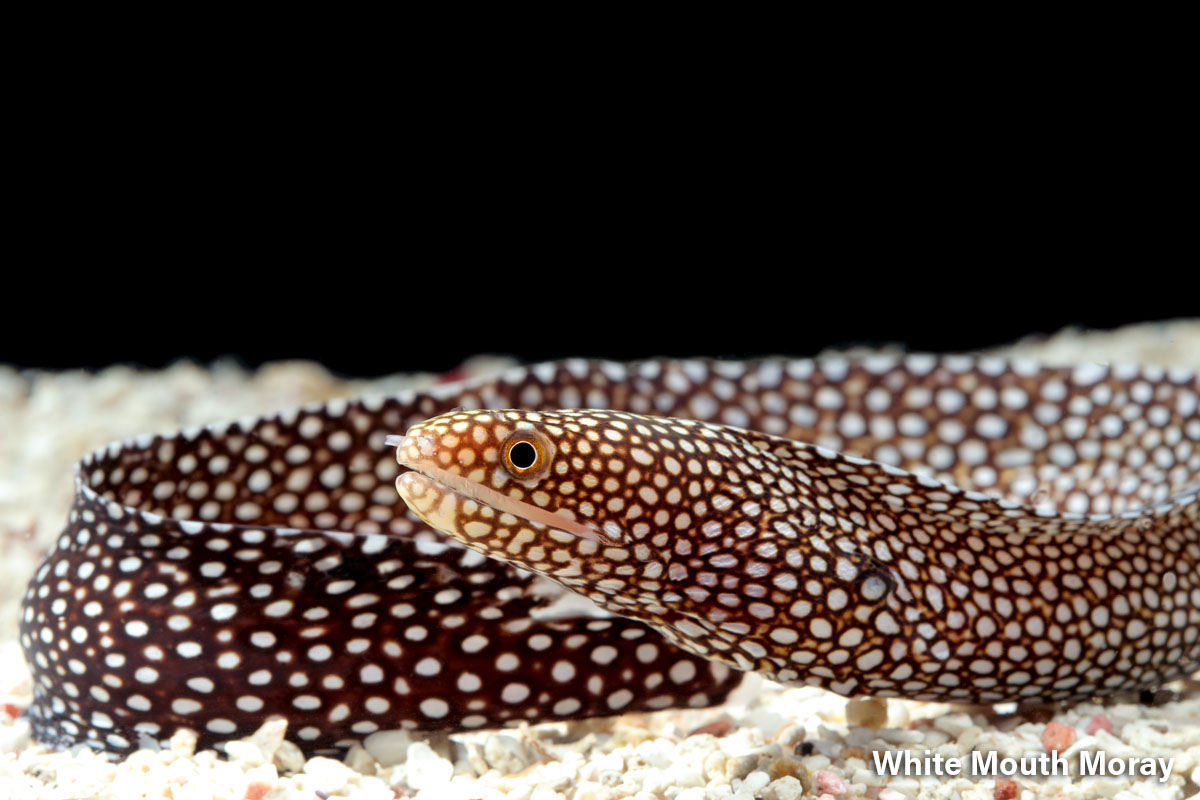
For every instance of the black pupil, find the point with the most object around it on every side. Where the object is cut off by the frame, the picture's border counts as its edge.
(522, 455)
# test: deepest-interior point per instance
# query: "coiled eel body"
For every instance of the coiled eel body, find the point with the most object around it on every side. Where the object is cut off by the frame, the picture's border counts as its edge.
(940, 528)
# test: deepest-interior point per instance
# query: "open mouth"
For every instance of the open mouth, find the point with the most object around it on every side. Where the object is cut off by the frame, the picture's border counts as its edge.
(426, 477)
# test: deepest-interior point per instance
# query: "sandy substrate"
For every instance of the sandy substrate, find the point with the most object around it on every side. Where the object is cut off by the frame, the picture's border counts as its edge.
(767, 742)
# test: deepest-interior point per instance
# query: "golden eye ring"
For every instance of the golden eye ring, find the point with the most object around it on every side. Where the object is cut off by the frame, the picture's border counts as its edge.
(525, 455)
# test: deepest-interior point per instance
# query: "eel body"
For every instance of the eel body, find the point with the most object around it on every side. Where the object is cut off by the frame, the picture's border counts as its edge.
(940, 528)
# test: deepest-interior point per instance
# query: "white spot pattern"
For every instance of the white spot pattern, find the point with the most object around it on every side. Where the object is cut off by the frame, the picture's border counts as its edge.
(248, 528)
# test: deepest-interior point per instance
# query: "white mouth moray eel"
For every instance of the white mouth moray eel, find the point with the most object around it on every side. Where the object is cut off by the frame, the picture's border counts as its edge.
(959, 529)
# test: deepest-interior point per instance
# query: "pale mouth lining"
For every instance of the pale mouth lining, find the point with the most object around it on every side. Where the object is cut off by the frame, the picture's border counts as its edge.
(503, 503)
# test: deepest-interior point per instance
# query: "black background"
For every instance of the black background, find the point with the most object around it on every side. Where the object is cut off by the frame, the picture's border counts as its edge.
(379, 231)
(370, 334)
(378, 285)
(145, 275)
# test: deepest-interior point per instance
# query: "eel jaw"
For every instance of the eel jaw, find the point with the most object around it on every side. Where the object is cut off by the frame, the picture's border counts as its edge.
(435, 494)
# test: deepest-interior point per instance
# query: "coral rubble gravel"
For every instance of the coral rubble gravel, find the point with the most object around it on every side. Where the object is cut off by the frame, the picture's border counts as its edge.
(768, 741)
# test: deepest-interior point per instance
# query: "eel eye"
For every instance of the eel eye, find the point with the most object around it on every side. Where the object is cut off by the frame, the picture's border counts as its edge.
(522, 455)
(525, 455)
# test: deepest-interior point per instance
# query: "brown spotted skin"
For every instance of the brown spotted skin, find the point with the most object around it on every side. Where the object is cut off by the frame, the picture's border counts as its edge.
(199, 571)
(819, 567)
(210, 579)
